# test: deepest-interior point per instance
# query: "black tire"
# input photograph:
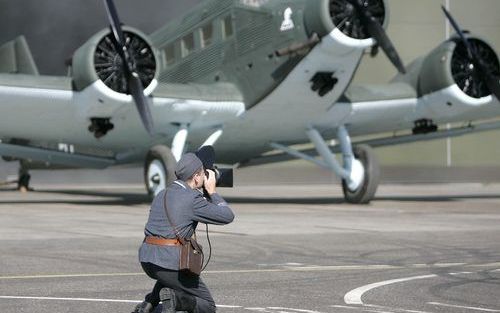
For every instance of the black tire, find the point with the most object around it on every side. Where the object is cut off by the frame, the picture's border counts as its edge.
(164, 155)
(366, 192)
(23, 181)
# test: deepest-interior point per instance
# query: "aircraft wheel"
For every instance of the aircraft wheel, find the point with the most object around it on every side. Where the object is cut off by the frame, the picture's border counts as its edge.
(366, 191)
(159, 169)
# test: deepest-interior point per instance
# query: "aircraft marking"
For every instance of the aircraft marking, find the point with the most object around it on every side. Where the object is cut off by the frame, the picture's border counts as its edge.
(287, 20)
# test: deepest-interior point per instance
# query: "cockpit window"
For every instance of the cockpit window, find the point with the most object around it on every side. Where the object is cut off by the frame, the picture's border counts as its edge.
(187, 45)
(227, 27)
(207, 34)
(170, 54)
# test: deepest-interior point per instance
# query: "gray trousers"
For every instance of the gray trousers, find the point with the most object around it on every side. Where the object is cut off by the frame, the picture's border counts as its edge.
(185, 286)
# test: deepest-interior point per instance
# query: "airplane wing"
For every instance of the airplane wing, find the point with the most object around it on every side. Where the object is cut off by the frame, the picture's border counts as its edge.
(48, 109)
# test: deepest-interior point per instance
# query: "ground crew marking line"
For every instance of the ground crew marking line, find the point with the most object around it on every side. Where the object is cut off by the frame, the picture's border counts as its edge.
(280, 310)
(274, 309)
(354, 296)
(377, 309)
(307, 268)
(295, 310)
(69, 299)
(95, 300)
(463, 307)
(362, 309)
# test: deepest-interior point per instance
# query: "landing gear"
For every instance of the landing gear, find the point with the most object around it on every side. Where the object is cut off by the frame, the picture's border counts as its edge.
(159, 169)
(359, 170)
(366, 191)
(23, 181)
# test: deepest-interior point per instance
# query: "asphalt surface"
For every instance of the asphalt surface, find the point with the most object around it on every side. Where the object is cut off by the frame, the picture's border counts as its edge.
(296, 248)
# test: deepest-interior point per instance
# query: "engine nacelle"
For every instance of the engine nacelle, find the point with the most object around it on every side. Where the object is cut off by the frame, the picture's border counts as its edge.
(449, 65)
(98, 59)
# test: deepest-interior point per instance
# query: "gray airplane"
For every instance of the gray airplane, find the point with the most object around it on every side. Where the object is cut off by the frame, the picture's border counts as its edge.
(256, 79)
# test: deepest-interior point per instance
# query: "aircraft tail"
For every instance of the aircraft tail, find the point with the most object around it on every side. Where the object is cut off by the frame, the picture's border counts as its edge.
(15, 57)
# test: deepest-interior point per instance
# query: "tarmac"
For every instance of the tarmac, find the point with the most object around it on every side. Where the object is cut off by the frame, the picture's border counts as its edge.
(292, 248)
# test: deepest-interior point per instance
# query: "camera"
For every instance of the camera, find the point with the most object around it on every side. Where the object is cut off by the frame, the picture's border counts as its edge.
(223, 176)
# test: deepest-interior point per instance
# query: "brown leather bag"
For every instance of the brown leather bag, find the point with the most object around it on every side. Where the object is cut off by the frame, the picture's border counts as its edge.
(191, 252)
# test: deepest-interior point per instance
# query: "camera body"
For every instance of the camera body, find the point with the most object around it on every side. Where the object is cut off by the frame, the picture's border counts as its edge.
(223, 176)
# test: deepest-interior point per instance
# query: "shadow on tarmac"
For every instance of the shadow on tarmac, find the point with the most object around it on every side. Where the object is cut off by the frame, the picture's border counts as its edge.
(104, 198)
(124, 198)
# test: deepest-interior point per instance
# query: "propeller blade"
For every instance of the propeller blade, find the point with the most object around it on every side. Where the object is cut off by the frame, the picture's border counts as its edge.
(377, 31)
(114, 22)
(141, 102)
(135, 87)
(459, 32)
(492, 82)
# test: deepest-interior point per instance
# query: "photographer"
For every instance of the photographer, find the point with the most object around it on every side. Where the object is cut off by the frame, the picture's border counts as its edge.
(159, 254)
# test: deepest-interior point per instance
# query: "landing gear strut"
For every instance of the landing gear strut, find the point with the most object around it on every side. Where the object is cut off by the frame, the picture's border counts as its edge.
(359, 170)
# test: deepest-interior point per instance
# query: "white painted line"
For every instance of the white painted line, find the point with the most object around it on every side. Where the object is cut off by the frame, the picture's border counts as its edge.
(326, 268)
(347, 307)
(294, 310)
(70, 299)
(96, 300)
(228, 306)
(360, 308)
(258, 310)
(463, 307)
(354, 296)
(397, 309)
(70, 275)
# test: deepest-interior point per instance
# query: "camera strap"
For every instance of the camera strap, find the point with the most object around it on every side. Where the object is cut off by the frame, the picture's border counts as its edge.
(176, 231)
(181, 240)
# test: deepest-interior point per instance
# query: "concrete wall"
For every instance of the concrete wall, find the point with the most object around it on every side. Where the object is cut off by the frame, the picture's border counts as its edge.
(416, 27)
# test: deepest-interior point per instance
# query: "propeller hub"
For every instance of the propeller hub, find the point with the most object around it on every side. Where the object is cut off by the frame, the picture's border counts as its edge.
(349, 9)
(112, 69)
(346, 16)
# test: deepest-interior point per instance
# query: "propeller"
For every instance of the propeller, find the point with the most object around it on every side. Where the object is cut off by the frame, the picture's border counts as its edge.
(478, 65)
(375, 30)
(134, 84)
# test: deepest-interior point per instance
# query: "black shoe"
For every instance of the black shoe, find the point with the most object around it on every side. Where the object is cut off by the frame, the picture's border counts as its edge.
(167, 298)
(144, 307)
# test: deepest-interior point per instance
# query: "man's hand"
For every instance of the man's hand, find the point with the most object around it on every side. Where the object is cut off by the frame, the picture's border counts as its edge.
(210, 182)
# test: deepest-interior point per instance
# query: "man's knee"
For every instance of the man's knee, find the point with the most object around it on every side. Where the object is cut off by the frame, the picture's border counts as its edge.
(204, 306)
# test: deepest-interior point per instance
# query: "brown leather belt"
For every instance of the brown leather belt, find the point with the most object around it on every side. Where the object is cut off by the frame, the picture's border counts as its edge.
(158, 241)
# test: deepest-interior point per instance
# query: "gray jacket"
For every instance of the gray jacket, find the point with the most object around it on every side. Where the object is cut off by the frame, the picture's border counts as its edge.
(186, 208)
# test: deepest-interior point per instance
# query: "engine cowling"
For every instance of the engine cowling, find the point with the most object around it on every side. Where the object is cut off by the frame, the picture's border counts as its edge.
(98, 59)
(448, 65)
(322, 16)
